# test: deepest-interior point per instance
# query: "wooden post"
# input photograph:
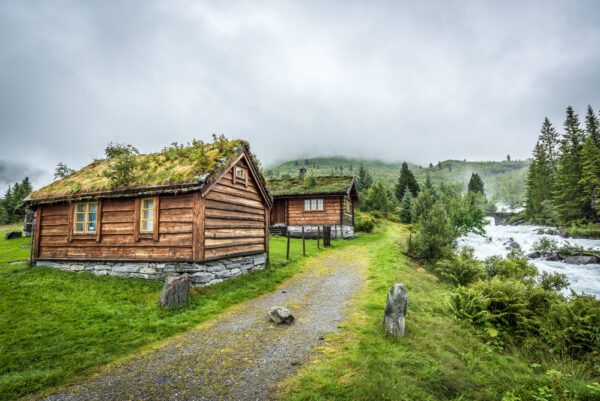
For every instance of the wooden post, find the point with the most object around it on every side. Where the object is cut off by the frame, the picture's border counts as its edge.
(198, 228)
(288, 245)
(303, 243)
(136, 219)
(99, 221)
(38, 226)
(267, 223)
(318, 237)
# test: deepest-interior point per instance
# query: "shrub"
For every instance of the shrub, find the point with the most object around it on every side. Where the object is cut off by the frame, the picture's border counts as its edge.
(545, 245)
(514, 266)
(364, 223)
(470, 304)
(578, 322)
(507, 301)
(553, 281)
(461, 269)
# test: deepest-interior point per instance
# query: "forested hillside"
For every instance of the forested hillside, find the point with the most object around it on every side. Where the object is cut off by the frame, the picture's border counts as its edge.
(504, 181)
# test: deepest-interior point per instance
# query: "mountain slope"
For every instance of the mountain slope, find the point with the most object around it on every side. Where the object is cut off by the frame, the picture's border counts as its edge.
(504, 181)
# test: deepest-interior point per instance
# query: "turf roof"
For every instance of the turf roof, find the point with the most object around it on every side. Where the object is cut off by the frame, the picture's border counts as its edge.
(175, 165)
(337, 184)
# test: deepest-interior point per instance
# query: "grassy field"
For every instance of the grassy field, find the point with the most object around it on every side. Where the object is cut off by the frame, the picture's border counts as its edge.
(440, 358)
(57, 325)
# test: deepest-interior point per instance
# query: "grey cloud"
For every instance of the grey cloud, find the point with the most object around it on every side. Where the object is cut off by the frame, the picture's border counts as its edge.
(421, 81)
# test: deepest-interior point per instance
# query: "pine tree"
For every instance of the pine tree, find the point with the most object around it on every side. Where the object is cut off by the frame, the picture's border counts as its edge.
(549, 140)
(405, 207)
(592, 126)
(476, 184)
(590, 178)
(377, 198)
(7, 203)
(406, 181)
(570, 205)
(62, 171)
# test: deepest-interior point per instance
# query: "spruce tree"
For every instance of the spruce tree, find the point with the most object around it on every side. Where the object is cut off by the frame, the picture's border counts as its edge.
(592, 126)
(406, 181)
(590, 178)
(476, 184)
(570, 205)
(405, 207)
(377, 198)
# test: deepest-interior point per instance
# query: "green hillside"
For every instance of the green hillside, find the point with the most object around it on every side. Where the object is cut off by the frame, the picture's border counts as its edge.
(504, 181)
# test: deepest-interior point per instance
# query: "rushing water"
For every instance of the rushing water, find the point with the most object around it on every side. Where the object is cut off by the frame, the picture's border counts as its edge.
(584, 278)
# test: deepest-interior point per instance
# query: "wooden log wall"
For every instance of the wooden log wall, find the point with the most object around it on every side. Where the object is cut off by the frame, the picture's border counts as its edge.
(330, 215)
(236, 217)
(115, 239)
(347, 216)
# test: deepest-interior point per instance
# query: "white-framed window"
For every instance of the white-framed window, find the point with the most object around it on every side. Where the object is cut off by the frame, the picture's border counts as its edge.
(313, 205)
(240, 173)
(147, 215)
(85, 218)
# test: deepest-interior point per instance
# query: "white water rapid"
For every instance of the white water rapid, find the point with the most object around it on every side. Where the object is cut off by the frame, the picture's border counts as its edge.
(584, 278)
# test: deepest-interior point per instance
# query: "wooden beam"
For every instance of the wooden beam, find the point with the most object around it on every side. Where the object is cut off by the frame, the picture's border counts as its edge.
(71, 215)
(99, 221)
(198, 227)
(156, 218)
(136, 219)
(38, 226)
(267, 218)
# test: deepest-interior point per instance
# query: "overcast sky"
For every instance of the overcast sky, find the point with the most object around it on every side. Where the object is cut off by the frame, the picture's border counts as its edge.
(418, 81)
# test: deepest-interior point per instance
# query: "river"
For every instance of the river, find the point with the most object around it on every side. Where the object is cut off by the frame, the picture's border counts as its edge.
(584, 278)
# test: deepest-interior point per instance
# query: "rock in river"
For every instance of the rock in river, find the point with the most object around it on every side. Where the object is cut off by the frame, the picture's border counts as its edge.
(581, 259)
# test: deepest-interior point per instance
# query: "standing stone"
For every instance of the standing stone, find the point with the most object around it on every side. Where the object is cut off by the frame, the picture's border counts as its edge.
(13, 234)
(175, 292)
(395, 310)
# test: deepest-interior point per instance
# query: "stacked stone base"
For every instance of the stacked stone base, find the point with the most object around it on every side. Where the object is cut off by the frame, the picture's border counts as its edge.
(201, 274)
(337, 231)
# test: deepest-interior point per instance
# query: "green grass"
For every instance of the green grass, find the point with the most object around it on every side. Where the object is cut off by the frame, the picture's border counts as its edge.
(14, 249)
(440, 358)
(57, 325)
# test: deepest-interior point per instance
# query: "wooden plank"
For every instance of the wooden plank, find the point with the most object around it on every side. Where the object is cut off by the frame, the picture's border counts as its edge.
(56, 219)
(99, 221)
(117, 216)
(177, 214)
(198, 227)
(211, 224)
(155, 218)
(250, 188)
(217, 205)
(234, 233)
(54, 230)
(164, 240)
(118, 228)
(175, 228)
(237, 192)
(178, 201)
(70, 229)
(217, 253)
(114, 205)
(237, 217)
(136, 220)
(201, 229)
(236, 200)
(211, 243)
(55, 210)
(267, 216)
(38, 226)
(116, 252)
(219, 213)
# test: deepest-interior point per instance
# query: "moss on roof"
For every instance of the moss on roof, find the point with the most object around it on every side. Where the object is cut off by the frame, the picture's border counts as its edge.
(337, 184)
(176, 164)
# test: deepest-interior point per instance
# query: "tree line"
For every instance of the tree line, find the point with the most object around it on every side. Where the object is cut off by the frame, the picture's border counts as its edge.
(12, 198)
(563, 183)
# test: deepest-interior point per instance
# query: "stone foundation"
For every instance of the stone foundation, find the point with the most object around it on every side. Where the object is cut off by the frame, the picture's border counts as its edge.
(201, 274)
(337, 231)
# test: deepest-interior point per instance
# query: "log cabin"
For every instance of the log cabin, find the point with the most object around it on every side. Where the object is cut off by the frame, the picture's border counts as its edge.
(201, 210)
(312, 202)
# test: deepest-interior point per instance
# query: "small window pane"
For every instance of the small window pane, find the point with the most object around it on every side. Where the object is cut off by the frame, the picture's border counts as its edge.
(91, 227)
(313, 204)
(148, 203)
(91, 216)
(147, 225)
(79, 227)
(92, 207)
(307, 204)
(147, 214)
(240, 172)
(80, 207)
(79, 217)
(320, 204)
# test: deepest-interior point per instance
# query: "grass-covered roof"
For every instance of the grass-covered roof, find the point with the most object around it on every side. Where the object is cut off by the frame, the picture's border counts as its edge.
(124, 169)
(310, 185)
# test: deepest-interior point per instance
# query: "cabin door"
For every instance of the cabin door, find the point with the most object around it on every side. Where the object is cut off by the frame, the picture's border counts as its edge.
(278, 213)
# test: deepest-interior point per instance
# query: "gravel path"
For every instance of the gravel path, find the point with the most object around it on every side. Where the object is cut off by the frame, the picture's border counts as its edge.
(240, 355)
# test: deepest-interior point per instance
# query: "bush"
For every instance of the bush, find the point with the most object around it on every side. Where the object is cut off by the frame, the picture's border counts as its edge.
(507, 301)
(578, 322)
(545, 245)
(462, 269)
(469, 304)
(553, 281)
(515, 266)
(364, 223)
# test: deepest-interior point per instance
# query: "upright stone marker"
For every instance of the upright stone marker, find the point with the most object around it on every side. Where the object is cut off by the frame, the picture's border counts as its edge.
(395, 310)
(175, 292)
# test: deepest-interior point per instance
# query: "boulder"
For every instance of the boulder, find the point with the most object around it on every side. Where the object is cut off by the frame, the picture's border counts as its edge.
(175, 292)
(554, 257)
(511, 244)
(279, 314)
(534, 255)
(13, 234)
(395, 310)
(582, 259)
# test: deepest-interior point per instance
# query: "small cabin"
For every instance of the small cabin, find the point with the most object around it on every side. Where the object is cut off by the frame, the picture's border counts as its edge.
(313, 202)
(201, 210)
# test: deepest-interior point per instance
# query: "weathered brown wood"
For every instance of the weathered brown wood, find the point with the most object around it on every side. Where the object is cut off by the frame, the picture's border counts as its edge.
(211, 243)
(217, 205)
(237, 217)
(236, 200)
(197, 228)
(38, 226)
(230, 223)
(136, 219)
(156, 219)
(177, 214)
(95, 251)
(99, 221)
(234, 233)
(70, 228)
(223, 189)
(341, 210)
(55, 219)
(218, 253)
(267, 217)
(232, 213)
